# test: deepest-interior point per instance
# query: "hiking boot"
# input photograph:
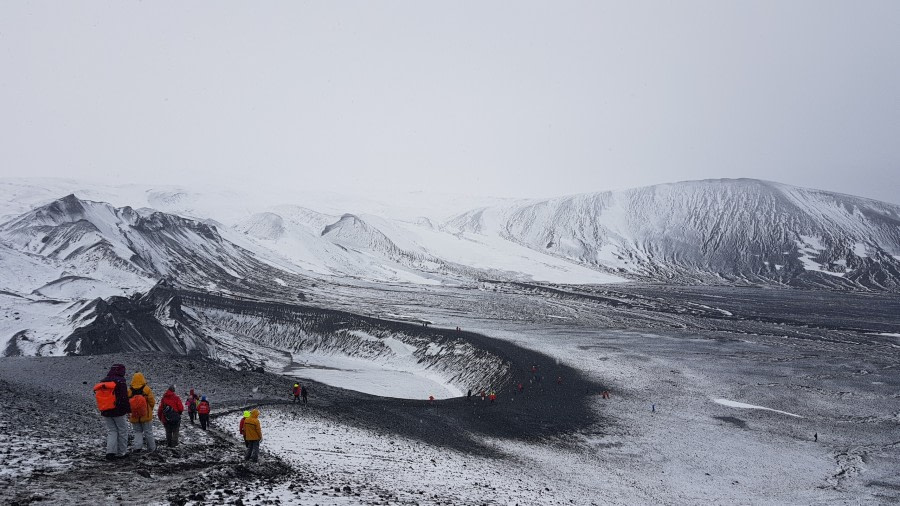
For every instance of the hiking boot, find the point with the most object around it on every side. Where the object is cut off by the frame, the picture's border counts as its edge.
(110, 456)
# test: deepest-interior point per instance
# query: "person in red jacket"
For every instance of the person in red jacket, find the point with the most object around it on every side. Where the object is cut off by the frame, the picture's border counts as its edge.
(296, 391)
(203, 412)
(169, 413)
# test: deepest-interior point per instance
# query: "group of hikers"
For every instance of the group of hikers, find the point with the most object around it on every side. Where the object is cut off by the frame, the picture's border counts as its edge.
(118, 402)
(519, 388)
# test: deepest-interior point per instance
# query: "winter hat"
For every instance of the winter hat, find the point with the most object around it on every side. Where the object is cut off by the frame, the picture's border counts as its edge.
(117, 370)
(171, 388)
(202, 397)
(246, 414)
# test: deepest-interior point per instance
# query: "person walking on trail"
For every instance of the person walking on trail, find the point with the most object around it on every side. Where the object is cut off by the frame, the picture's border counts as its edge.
(493, 397)
(169, 413)
(142, 401)
(111, 395)
(252, 436)
(304, 393)
(241, 425)
(296, 391)
(203, 412)
(191, 402)
(469, 396)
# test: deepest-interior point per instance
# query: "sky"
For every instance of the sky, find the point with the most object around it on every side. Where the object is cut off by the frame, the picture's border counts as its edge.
(511, 99)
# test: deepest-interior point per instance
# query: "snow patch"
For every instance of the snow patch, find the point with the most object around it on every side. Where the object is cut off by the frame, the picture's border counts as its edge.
(735, 404)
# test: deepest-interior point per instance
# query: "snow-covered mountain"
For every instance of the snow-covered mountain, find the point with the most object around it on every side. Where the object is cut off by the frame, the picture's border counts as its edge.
(129, 249)
(710, 231)
(715, 231)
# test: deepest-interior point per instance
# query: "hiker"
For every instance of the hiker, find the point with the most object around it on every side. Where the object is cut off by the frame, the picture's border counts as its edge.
(169, 413)
(203, 412)
(296, 390)
(653, 408)
(469, 396)
(252, 435)
(241, 425)
(111, 395)
(559, 380)
(304, 393)
(142, 401)
(191, 402)
(493, 397)
(430, 399)
(521, 387)
(816, 437)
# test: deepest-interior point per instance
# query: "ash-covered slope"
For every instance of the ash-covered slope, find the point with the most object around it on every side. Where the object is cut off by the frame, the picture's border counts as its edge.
(286, 339)
(711, 231)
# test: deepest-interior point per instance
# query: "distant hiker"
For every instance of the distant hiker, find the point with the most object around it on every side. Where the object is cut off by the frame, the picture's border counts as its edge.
(493, 397)
(559, 380)
(605, 394)
(431, 399)
(111, 395)
(521, 387)
(252, 435)
(203, 412)
(169, 413)
(653, 408)
(191, 403)
(142, 401)
(469, 396)
(296, 391)
(816, 437)
(304, 393)
(482, 395)
(534, 369)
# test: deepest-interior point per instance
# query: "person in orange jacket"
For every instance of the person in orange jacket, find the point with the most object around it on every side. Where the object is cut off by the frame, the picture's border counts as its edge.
(252, 436)
(142, 422)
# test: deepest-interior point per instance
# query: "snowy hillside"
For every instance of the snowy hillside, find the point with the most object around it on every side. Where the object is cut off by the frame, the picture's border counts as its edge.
(701, 232)
(710, 232)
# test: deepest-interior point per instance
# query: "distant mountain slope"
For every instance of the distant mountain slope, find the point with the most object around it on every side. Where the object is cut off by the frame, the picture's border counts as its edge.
(710, 231)
(131, 249)
(696, 232)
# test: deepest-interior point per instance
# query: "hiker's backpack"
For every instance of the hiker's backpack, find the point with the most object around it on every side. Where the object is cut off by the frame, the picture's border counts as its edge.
(139, 407)
(171, 415)
(105, 394)
(203, 408)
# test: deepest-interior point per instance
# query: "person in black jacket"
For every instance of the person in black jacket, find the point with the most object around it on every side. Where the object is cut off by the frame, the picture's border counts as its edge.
(116, 419)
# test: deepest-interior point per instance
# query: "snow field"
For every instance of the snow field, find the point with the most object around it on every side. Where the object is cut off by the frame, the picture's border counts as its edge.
(384, 466)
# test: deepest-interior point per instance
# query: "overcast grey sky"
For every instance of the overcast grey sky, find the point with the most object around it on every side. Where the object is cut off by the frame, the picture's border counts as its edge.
(491, 98)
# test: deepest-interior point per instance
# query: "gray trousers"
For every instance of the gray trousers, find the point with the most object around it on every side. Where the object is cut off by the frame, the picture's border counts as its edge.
(253, 450)
(143, 432)
(116, 434)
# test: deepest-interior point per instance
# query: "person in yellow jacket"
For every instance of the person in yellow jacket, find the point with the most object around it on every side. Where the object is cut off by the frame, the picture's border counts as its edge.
(252, 435)
(142, 400)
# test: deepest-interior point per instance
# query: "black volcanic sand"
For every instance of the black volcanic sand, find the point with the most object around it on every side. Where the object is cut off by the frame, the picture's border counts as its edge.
(554, 403)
